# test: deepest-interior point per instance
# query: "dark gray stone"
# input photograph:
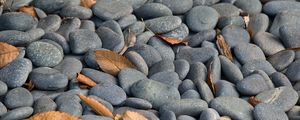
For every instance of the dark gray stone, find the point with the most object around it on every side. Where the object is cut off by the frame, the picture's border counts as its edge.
(235, 35)
(152, 10)
(3, 89)
(110, 39)
(289, 35)
(249, 6)
(162, 66)
(209, 114)
(190, 94)
(163, 48)
(186, 85)
(49, 6)
(138, 103)
(149, 54)
(127, 20)
(127, 77)
(248, 52)
(71, 107)
(182, 68)
(285, 18)
(252, 85)
(144, 37)
(293, 71)
(167, 77)
(196, 54)
(17, 21)
(87, 24)
(76, 11)
(226, 9)
(137, 27)
(51, 23)
(253, 65)
(258, 23)
(113, 25)
(197, 72)
(69, 66)
(44, 104)
(179, 33)
(279, 79)
(94, 117)
(18, 113)
(138, 61)
(230, 70)
(177, 6)
(225, 88)
(68, 25)
(185, 117)
(167, 115)
(268, 43)
(282, 59)
(265, 111)
(111, 9)
(274, 7)
(98, 76)
(197, 39)
(163, 24)
(18, 97)
(58, 39)
(229, 21)
(83, 40)
(204, 90)
(3, 109)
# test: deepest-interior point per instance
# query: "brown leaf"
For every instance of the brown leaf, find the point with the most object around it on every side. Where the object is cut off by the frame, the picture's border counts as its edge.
(87, 3)
(53, 115)
(96, 106)
(253, 101)
(210, 81)
(111, 62)
(28, 10)
(8, 53)
(118, 117)
(172, 41)
(130, 115)
(224, 47)
(85, 80)
(84, 86)
(294, 49)
(129, 42)
(29, 85)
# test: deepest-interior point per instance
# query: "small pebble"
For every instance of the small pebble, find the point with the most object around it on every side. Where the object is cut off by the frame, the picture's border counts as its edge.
(209, 114)
(265, 111)
(83, 40)
(167, 77)
(293, 71)
(268, 43)
(16, 21)
(225, 88)
(51, 23)
(152, 10)
(163, 24)
(196, 54)
(282, 59)
(127, 77)
(138, 103)
(177, 6)
(18, 113)
(182, 68)
(235, 35)
(18, 97)
(253, 65)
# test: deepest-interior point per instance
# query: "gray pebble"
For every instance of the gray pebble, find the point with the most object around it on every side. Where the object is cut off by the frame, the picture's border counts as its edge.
(162, 66)
(138, 61)
(67, 96)
(147, 114)
(87, 24)
(282, 19)
(44, 104)
(167, 115)
(186, 85)
(274, 7)
(225, 88)
(137, 27)
(110, 39)
(149, 54)
(13, 5)
(265, 111)
(58, 39)
(264, 65)
(163, 48)
(71, 107)
(40, 13)
(290, 36)
(17, 21)
(49, 6)
(293, 71)
(152, 10)
(249, 6)
(168, 78)
(215, 69)
(230, 70)
(138, 103)
(197, 39)
(68, 25)
(252, 85)
(3, 88)
(204, 90)
(111, 9)
(185, 117)
(190, 94)
(177, 6)
(197, 72)
(282, 59)
(94, 117)
(18, 113)
(113, 25)
(209, 114)
(69, 66)
(15, 37)
(144, 37)
(83, 40)
(248, 52)
(127, 77)
(163, 24)
(226, 9)
(18, 97)
(229, 21)
(76, 11)
(266, 77)
(126, 21)
(268, 43)
(258, 23)
(51, 23)
(98, 76)
(3, 109)
(235, 35)
(279, 79)
(179, 33)
(196, 54)
(182, 68)
(109, 92)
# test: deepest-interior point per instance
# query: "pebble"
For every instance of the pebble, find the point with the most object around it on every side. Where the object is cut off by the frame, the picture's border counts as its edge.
(71, 107)
(202, 18)
(230, 70)
(109, 92)
(49, 6)
(186, 85)
(268, 43)
(76, 11)
(215, 69)
(167, 77)
(177, 6)
(225, 88)
(58, 39)
(258, 23)
(283, 98)
(40, 13)
(209, 114)
(282, 19)
(265, 76)
(18, 113)
(289, 35)
(179, 33)
(155, 92)
(198, 72)
(126, 21)
(185, 117)
(190, 94)
(105, 103)
(163, 48)
(68, 25)
(51, 23)
(87, 24)
(113, 25)
(192, 107)
(235, 35)
(138, 103)
(69, 66)
(293, 71)
(137, 27)
(274, 7)
(98, 76)
(265, 111)
(252, 85)
(111, 9)
(162, 66)
(15, 74)
(226, 9)
(138, 61)
(94, 117)
(204, 90)
(149, 53)
(110, 39)
(128, 76)
(279, 79)
(136, 3)
(45, 78)
(282, 59)
(196, 54)
(198, 38)
(14, 37)
(233, 107)
(264, 65)
(44, 104)
(249, 6)
(144, 37)
(3, 89)
(16, 21)
(167, 115)
(152, 10)
(3, 109)
(248, 52)
(163, 24)
(83, 40)
(229, 21)
(18, 97)
(182, 68)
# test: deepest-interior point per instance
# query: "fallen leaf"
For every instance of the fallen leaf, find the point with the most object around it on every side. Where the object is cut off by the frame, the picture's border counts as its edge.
(172, 41)
(253, 101)
(53, 115)
(84, 86)
(85, 80)
(210, 81)
(224, 47)
(29, 85)
(130, 115)
(87, 3)
(129, 42)
(96, 106)
(28, 10)
(118, 117)
(294, 49)
(246, 18)
(111, 62)
(8, 53)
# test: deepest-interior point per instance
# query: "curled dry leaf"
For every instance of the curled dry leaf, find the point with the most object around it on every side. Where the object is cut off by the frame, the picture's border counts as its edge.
(28, 10)
(85, 80)
(253, 101)
(111, 62)
(172, 41)
(96, 106)
(53, 115)
(8, 53)
(29, 85)
(129, 42)
(130, 115)
(210, 81)
(224, 47)
(87, 3)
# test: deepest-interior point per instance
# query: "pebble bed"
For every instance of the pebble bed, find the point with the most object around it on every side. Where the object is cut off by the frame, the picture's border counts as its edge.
(170, 81)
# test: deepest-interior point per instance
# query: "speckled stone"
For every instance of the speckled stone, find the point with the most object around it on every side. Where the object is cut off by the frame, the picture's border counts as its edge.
(163, 24)
(16, 21)
(18, 113)
(18, 97)
(127, 77)
(152, 10)
(111, 9)
(282, 59)
(51, 23)
(58, 39)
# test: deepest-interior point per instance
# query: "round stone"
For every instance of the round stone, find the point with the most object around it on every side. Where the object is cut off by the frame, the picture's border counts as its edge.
(258, 23)
(58, 39)
(268, 43)
(182, 68)
(205, 35)
(274, 7)
(111, 9)
(110, 39)
(98, 76)
(293, 71)
(225, 88)
(51, 23)
(290, 36)
(209, 114)
(163, 48)
(248, 52)
(230, 70)
(265, 111)
(249, 6)
(138, 103)
(3, 88)
(49, 6)
(69, 66)
(149, 54)
(44, 104)
(16, 21)
(163, 24)
(252, 85)
(18, 97)
(18, 113)
(127, 77)
(226, 9)
(253, 65)
(235, 35)
(152, 10)
(282, 59)
(162, 66)
(177, 6)
(83, 40)
(192, 55)
(76, 11)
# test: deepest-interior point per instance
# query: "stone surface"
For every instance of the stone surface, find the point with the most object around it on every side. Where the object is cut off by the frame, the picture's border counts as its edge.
(111, 9)
(163, 24)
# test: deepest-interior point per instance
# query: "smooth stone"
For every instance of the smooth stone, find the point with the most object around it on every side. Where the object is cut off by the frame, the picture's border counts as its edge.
(152, 10)
(128, 76)
(18, 97)
(297, 55)
(167, 115)
(144, 37)
(283, 98)
(198, 38)
(192, 107)
(225, 88)
(289, 35)
(293, 71)
(226, 9)
(44, 104)
(162, 66)
(208, 44)
(51, 23)
(100, 100)
(279, 79)
(252, 85)
(169, 78)
(204, 2)
(110, 39)
(113, 25)
(282, 19)
(126, 21)
(209, 114)
(136, 3)
(18, 113)
(76, 11)
(15, 74)
(177, 6)
(179, 33)
(190, 94)
(40, 13)
(109, 92)
(3, 89)
(44, 54)
(111, 9)
(201, 18)
(67, 26)
(71, 107)
(230, 70)
(137, 27)
(163, 24)
(90, 59)
(282, 59)
(138, 103)
(3, 109)
(17, 21)
(253, 65)
(233, 107)
(53, 43)
(15, 5)
(186, 85)
(45, 78)
(149, 53)
(262, 73)
(248, 52)
(83, 40)
(69, 66)
(231, 20)
(265, 111)
(58, 39)
(155, 92)
(274, 7)
(293, 112)
(87, 24)
(258, 23)
(94, 117)
(49, 6)
(17, 38)
(182, 68)
(196, 54)
(198, 71)
(235, 35)
(138, 61)
(268, 43)
(185, 117)
(204, 90)
(98, 76)
(249, 6)
(163, 48)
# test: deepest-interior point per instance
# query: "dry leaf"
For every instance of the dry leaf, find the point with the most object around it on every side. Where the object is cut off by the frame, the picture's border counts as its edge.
(8, 53)
(130, 41)
(85, 80)
(96, 106)
(28, 10)
(172, 41)
(84, 86)
(130, 115)
(253, 101)
(53, 115)
(87, 3)
(294, 49)
(210, 81)
(118, 117)
(29, 85)
(224, 47)
(111, 62)
(246, 18)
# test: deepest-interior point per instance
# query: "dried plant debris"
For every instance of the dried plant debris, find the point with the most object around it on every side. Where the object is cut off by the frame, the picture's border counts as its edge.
(28, 10)
(172, 41)
(253, 101)
(53, 115)
(210, 81)
(87, 3)
(8, 53)
(85, 80)
(129, 42)
(224, 47)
